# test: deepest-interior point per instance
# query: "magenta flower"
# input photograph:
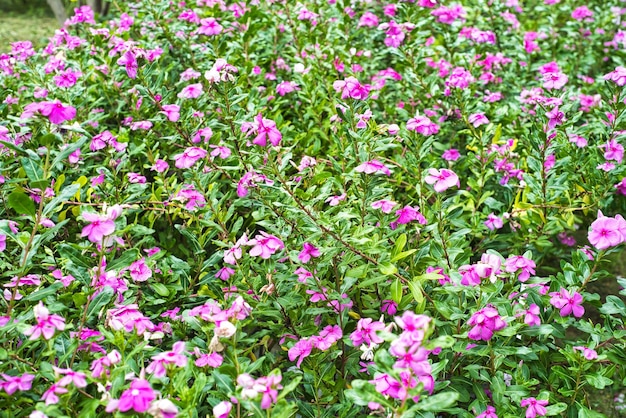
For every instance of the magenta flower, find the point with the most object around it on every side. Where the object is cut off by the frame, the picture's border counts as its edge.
(249, 180)
(172, 112)
(618, 76)
(531, 316)
(365, 332)
(568, 303)
(518, 262)
(422, 125)
(408, 214)
(621, 187)
(588, 353)
(189, 157)
(209, 27)
(57, 112)
(129, 61)
(351, 87)
(493, 222)
(160, 361)
(442, 179)
(100, 226)
(485, 323)
(386, 206)
(264, 245)
(554, 80)
(308, 251)
(50, 395)
(607, 232)
(371, 167)
(451, 154)
(613, 150)
(300, 351)
(478, 119)
(139, 271)
(265, 129)
(490, 412)
(137, 397)
(46, 324)
(581, 13)
(192, 91)
(12, 384)
(334, 200)
(535, 407)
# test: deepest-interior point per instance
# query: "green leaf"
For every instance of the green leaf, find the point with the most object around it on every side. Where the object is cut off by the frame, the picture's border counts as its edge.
(124, 260)
(65, 194)
(556, 409)
(33, 171)
(438, 402)
(160, 289)
(195, 244)
(396, 291)
(45, 292)
(402, 255)
(101, 299)
(598, 381)
(289, 387)
(387, 269)
(62, 155)
(21, 203)
(74, 255)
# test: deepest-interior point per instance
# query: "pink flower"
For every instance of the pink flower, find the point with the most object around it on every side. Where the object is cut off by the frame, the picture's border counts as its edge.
(139, 271)
(618, 76)
(451, 154)
(211, 360)
(365, 332)
(607, 232)
(588, 353)
(554, 80)
(371, 167)
(251, 179)
(490, 412)
(308, 251)
(172, 112)
(160, 361)
(265, 129)
(442, 179)
(46, 323)
(422, 125)
(613, 150)
(535, 407)
(493, 222)
(264, 245)
(567, 303)
(300, 350)
(209, 27)
(408, 214)
(350, 87)
(100, 226)
(581, 13)
(286, 87)
(334, 200)
(137, 397)
(222, 409)
(478, 119)
(12, 384)
(386, 206)
(192, 91)
(129, 61)
(485, 323)
(518, 262)
(57, 112)
(189, 157)
(50, 395)
(531, 316)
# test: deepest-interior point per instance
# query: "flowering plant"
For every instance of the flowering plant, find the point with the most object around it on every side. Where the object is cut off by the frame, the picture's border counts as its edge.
(217, 208)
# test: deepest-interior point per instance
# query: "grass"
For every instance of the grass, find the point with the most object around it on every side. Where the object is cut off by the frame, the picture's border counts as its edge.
(15, 27)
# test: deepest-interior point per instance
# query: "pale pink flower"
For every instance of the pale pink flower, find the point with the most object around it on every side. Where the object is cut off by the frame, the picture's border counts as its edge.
(493, 222)
(12, 384)
(618, 76)
(129, 61)
(351, 87)
(422, 125)
(172, 112)
(209, 27)
(386, 206)
(192, 91)
(588, 353)
(139, 271)
(371, 167)
(567, 302)
(222, 409)
(46, 324)
(442, 179)
(478, 119)
(189, 157)
(264, 245)
(607, 232)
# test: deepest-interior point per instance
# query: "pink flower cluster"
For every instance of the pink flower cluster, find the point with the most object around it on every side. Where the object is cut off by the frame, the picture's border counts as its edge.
(485, 323)
(267, 387)
(567, 303)
(607, 232)
(326, 338)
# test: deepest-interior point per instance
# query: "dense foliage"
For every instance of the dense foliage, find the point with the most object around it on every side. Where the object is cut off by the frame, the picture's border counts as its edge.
(316, 209)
